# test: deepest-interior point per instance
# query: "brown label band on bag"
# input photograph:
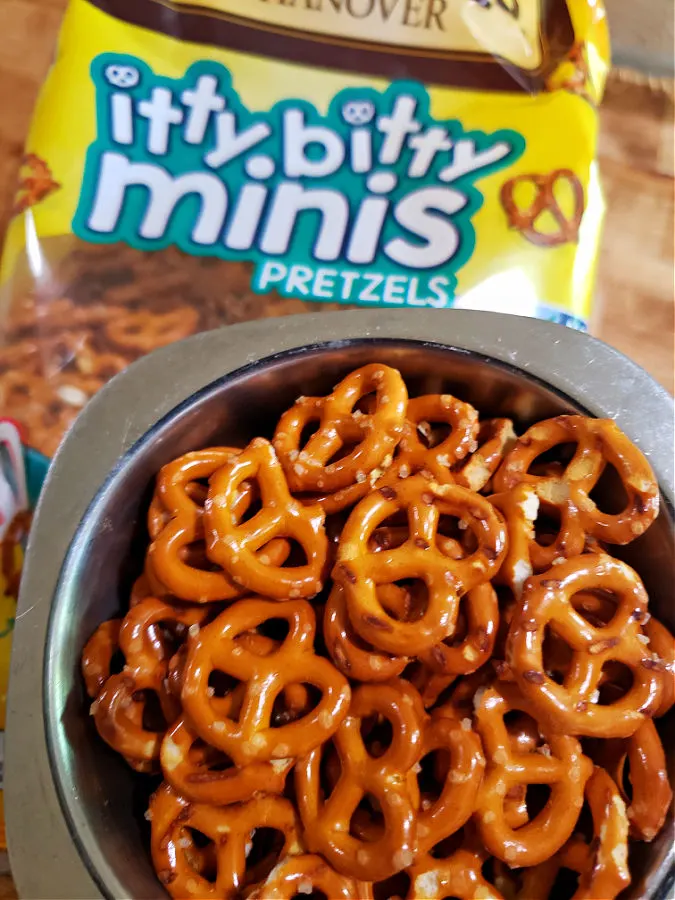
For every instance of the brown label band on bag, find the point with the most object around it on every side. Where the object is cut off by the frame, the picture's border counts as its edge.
(525, 220)
(491, 44)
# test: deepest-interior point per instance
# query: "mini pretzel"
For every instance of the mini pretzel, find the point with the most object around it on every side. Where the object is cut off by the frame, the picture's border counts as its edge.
(353, 656)
(644, 756)
(599, 442)
(603, 864)
(230, 828)
(202, 774)
(563, 767)
(453, 657)
(98, 654)
(571, 707)
(495, 439)
(663, 644)
(389, 778)
(252, 738)
(414, 454)
(299, 875)
(308, 468)
(525, 220)
(461, 773)
(359, 570)
(234, 545)
(175, 522)
(459, 876)
(429, 684)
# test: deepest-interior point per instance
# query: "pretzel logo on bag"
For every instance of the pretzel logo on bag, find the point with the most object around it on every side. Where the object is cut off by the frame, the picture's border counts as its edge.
(251, 737)
(359, 570)
(525, 220)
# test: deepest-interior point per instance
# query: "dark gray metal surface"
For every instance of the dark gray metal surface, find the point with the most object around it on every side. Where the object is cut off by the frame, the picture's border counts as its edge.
(93, 505)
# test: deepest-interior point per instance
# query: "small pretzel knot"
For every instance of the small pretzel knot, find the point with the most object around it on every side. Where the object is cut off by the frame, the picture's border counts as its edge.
(360, 571)
(388, 777)
(463, 654)
(459, 766)
(495, 438)
(369, 436)
(662, 643)
(175, 523)
(602, 863)
(121, 700)
(206, 775)
(459, 875)
(525, 220)
(559, 763)
(98, 654)
(424, 446)
(642, 758)
(307, 874)
(572, 706)
(598, 443)
(252, 737)
(222, 868)
(242, 548)
(353, 656)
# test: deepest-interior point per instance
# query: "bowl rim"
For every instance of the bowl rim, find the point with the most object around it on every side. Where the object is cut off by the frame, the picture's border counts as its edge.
(346, 328)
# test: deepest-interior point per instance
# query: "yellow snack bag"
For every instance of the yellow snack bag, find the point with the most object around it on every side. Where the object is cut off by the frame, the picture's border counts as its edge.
(198, 164)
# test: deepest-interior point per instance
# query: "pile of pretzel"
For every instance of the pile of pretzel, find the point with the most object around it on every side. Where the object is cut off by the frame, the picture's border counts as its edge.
(97, 310)
(474, 712)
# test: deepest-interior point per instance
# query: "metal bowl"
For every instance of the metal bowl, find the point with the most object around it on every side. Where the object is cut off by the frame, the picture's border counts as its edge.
(74, 809)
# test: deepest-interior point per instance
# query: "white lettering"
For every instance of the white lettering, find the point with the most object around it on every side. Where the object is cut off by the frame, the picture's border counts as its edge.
(292, 199)
(394, 289)
(367, 229)
(117, 174)
(426, 147)
(348, 278)
(272, 273)
(361, 152)
(299, 279)
(201, 101)
(466, 159)
(416, 214)
(439, 286)
(324, 283)
(161, 114)
(367, 295)
(122, 115)
(396, 128)
(230, 143)
(246, 217)
(298, 137)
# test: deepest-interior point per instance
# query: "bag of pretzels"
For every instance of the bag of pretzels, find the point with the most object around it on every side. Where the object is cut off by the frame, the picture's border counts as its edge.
(198, 164)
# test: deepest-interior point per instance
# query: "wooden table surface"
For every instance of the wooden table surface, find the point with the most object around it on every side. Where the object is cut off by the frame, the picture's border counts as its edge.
(635, 275)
